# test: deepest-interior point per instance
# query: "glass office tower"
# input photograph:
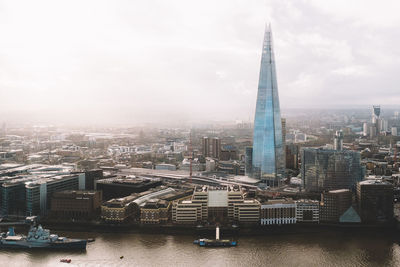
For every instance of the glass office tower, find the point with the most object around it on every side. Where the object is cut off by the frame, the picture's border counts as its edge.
(268, 161)
(325, 170)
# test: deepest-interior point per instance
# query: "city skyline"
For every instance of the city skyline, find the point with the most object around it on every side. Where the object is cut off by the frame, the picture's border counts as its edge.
(137, 133)
(107, 66)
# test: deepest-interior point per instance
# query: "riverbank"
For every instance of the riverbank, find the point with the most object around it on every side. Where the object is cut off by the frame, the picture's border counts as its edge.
(236, 231)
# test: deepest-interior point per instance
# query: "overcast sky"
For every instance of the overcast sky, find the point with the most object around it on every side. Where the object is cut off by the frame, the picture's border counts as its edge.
(148, 61)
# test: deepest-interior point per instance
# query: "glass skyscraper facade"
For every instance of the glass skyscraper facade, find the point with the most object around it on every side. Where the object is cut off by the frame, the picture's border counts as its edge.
(268, 160)
(324, 170)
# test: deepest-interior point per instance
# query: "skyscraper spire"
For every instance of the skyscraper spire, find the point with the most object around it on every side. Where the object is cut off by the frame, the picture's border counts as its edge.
(268, 159)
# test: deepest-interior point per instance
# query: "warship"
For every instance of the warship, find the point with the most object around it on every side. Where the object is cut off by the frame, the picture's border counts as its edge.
(39, 238)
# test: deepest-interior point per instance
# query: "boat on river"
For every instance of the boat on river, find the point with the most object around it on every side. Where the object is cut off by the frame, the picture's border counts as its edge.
(39, 238)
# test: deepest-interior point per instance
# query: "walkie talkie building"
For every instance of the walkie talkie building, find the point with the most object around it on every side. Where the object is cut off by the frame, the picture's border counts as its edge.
(268, 160)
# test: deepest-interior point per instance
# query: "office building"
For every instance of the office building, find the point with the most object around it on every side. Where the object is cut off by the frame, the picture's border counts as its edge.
(307, 211)
(395, 131)
(248, 159)
(278, 211)
(377, 122)
(268, 160)
(333, 204)
(154, 211)
(209, 204)
(247, 212)
(164, 166)
(211, 148)
(384, 126)
(156, 207)
(373, 131)
(205, 145)
(376, 113)
(338, 141)
(75, 204)
(15, 177)
(292, 156)
(366, 128)
(91, 176)
(39, 192)
(124, 186)
(228, 152)
(210, 165)
(215, 147)
(230, 167)
(186, 212)
(324, 170)
(119, 210)
(375, 201)
(283, 120)
(13, 197)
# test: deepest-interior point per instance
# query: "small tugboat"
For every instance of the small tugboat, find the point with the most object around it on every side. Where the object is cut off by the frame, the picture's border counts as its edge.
(39, 238)
(65, 260)
(215, 242)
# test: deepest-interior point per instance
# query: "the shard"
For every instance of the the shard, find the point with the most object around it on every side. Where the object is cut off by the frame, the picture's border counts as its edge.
(267, 154)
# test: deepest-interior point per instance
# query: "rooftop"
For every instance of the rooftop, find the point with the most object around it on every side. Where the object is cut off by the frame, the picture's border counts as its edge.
(132, 181)
(374, 182)
(279, 201)
(339, 191)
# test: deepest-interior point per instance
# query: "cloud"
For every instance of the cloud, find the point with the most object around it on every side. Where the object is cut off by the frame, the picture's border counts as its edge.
(158, 61)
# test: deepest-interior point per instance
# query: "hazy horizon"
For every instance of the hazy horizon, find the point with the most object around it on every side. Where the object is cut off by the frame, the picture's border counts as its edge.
(131, 62)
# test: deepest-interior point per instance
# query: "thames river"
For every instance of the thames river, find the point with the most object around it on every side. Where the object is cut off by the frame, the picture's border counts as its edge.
(328, 248)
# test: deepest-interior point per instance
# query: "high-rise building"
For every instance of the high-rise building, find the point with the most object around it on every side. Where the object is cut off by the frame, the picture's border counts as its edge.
(13, 198)
(384, 125)
(395, 130)
(216, 147)
(375, 201)
(38, 193)
(324, 169)
(211, 147)
(373, 131)
(376, 113)
(205, 145)
(334, 203)
(366, 127)
(283, 120)
(268, 160)
(292, 155)
(248, 158)
(376, 121)
(338, 141)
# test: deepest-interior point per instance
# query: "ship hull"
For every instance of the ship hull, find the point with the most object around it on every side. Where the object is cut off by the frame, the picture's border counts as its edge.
(75, 244)
(215, 243)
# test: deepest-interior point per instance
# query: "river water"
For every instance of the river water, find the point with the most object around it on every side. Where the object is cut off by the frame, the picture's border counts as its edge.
(328, 248)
